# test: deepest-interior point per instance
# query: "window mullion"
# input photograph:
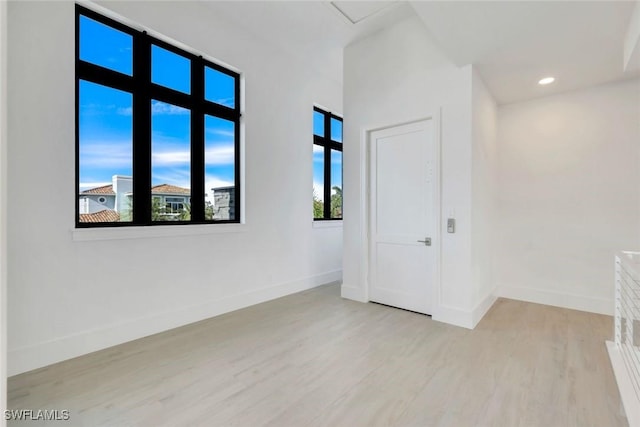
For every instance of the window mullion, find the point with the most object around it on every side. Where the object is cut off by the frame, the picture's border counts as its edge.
(327, 167)
(131, 80)
(197, 141)
(142, 130)
(104, 76)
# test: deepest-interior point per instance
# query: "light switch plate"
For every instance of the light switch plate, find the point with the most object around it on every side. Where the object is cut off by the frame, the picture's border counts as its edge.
(451, 225)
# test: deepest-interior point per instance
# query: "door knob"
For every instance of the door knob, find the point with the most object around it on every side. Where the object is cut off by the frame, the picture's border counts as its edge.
(426, 241)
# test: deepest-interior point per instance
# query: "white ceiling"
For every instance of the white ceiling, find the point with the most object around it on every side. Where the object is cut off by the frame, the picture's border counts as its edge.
(512, 43)
(515, 44)
(314, 31)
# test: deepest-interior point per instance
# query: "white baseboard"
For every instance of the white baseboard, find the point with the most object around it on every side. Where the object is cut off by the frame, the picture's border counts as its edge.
(483, 307)
(464, 318)
(627, 392)
(355, 294)
(453, 316)
(56, 350)
(558, 299)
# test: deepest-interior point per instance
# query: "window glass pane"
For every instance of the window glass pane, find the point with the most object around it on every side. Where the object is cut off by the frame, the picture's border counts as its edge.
(219, 169)
(170, 70)
(336, 130)
(318, 123)
(219, 87)
(318, 181)
(106, 155)
(170, 161)
(336, 184)
(105, 46)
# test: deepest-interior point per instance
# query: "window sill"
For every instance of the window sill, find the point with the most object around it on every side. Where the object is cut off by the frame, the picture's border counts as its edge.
(327, 224)
(119, 233)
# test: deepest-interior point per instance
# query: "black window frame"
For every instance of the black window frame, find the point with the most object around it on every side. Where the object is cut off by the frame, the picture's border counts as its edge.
(327, 145)
(143, 91)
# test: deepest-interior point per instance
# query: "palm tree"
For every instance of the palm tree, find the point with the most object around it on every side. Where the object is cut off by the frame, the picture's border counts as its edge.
(336, 202)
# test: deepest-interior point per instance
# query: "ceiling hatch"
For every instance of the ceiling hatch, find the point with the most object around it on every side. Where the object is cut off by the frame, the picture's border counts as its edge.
(357, 11)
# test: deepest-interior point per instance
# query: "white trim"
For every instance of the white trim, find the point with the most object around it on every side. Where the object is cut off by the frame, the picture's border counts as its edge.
(482, 308)
(327, 224)
(464, 318)
(42, 354)
(453, 316)
(355, 294)
(118, 233)
(364, 215)
(627, 393)
(437, 288)
(365, 186)
(558, 299)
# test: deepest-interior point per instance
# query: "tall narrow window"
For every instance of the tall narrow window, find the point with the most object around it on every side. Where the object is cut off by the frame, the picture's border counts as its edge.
(327, 165)
(157, 130)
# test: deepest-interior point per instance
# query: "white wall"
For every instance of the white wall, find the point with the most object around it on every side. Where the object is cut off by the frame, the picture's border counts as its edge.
(3, 208)
(483, 186)
(161, 278)
(569, 172)
(395, 76)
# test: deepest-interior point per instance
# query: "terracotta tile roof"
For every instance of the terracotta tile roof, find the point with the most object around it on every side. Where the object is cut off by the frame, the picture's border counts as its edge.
(158, 189)
(169, 189)
(105, 189)
(106, 215)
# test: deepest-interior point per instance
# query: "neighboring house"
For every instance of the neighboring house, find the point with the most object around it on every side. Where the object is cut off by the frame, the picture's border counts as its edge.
(105, 215)
(111, 198)
(97, 199)
(172, 199)
(224, 202)
(109, 203)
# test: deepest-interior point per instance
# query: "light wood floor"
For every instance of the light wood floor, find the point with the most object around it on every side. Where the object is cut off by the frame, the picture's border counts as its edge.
(314, 359)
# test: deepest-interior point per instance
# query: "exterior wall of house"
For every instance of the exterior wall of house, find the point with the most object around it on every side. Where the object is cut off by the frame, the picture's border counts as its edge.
(122, 185)
(91, 203)
(224, 202)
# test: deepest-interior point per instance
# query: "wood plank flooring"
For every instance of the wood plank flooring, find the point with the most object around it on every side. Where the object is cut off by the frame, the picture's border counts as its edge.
(314, 359)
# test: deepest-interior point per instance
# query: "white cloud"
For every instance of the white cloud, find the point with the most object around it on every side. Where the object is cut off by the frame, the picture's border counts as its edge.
(220, 132)
(170, 158)
(177, 177)
(111, 154)
(125, 111)
(158, 107)
(227, 102)
(212, 181)
(223, 155)
(220, 155)
(88, 185)
(318, 190)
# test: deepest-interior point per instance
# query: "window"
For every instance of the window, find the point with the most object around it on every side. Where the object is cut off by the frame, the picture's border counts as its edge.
(157, 130)
(327, 165)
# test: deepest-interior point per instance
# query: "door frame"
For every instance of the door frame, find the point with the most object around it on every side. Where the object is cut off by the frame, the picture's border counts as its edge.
(365, 202)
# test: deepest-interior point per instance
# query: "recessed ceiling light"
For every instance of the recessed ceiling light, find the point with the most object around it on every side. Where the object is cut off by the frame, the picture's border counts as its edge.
(546, 81)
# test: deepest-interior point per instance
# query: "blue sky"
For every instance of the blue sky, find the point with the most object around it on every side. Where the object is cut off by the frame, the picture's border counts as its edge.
(318, 156)
(105, 117)
(106, 139)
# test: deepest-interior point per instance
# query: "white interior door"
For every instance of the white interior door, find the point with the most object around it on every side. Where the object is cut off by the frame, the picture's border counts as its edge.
(403, 210)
